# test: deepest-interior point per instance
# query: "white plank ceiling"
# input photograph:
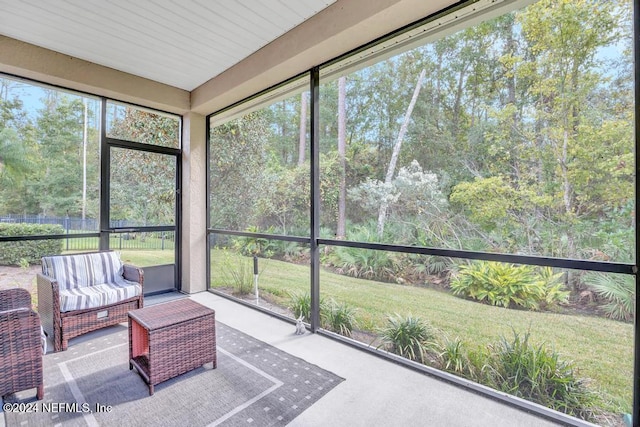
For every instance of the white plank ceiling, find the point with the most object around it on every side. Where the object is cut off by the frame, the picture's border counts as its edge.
(182, 43)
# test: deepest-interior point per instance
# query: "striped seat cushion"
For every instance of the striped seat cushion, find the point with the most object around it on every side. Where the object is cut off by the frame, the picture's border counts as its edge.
(74, 271)
(81, 298)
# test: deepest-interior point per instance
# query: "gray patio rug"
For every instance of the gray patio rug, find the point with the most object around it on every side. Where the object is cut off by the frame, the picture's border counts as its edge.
(90, 384)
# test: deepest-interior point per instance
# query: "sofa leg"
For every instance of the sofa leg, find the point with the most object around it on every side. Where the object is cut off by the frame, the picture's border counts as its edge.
(40, 392)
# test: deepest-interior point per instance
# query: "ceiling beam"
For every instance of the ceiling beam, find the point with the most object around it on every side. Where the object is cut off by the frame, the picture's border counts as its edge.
(341, 27)
(46, 66)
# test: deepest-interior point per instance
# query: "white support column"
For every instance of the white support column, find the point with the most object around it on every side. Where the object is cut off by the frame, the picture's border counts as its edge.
(194, 219)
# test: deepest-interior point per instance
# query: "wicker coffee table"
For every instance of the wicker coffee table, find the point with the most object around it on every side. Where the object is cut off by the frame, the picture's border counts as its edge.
(169, 339)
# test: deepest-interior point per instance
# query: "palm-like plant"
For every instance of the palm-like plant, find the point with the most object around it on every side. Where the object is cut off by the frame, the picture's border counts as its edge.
(618, 291)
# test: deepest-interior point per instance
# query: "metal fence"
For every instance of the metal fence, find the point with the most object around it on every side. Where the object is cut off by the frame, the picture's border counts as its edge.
(157, 240)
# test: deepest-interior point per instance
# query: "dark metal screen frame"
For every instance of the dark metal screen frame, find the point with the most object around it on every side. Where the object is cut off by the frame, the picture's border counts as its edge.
(315, 241)
(105, 185)
(105, 143)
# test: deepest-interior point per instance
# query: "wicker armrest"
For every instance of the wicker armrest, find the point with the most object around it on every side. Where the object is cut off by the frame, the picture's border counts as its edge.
(14, 298)
(20, 351)
(133, 273)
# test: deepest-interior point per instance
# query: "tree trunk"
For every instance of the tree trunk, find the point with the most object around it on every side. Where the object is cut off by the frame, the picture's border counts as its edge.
(457, 103)
(384, 205)
(302, 145)
(436, 98)
(565, 173)
(342, 120)
(85, 135)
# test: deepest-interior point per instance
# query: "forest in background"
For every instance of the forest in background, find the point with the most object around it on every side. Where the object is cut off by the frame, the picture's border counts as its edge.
(520, 140)
(513, 136)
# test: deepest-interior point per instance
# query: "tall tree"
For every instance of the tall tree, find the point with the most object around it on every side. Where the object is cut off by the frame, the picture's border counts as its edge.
(565, 37)
(13, 156)
(384, 204)
(59, 130)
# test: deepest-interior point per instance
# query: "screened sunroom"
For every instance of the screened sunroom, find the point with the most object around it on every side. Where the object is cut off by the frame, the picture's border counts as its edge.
(446, 190)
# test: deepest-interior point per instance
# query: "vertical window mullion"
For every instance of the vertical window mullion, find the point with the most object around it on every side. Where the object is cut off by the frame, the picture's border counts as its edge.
(105, 159)
(315, 198)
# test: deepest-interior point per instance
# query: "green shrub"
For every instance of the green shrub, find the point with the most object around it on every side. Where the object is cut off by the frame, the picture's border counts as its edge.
(409, 337)
(453, 357)
(509, 285)
(618, 291)
(521, 369)
(258, 246)
(437, 264)
(28, 251)
(339, 318)
(364, 263)
(287, 251)
(537, 374)
(237, 272)
(300, 305)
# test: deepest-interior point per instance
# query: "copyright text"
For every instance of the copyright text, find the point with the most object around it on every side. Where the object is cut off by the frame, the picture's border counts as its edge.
(55, 407)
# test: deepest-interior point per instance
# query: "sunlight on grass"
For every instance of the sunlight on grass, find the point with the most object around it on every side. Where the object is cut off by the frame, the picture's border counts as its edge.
(141, 258)
(602, 349)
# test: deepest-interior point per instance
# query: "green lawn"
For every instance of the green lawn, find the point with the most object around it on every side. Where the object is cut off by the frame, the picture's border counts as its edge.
(117, 243)
(601, 349)
(144, 258)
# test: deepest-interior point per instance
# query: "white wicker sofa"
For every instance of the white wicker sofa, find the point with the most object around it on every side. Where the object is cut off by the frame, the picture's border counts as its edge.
(83, 292)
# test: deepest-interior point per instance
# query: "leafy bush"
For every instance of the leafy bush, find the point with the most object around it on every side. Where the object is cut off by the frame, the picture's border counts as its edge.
(258, 246)
(618, 291)
(28, 251)
(537, 374)
(509, 285)
(409, 337)
(340, 318)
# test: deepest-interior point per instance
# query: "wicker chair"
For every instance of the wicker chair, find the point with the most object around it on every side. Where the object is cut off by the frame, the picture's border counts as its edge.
(84, 273)
(20, 344)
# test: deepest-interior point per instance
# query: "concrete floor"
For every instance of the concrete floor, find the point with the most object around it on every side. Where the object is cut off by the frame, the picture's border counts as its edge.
(375, 392)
